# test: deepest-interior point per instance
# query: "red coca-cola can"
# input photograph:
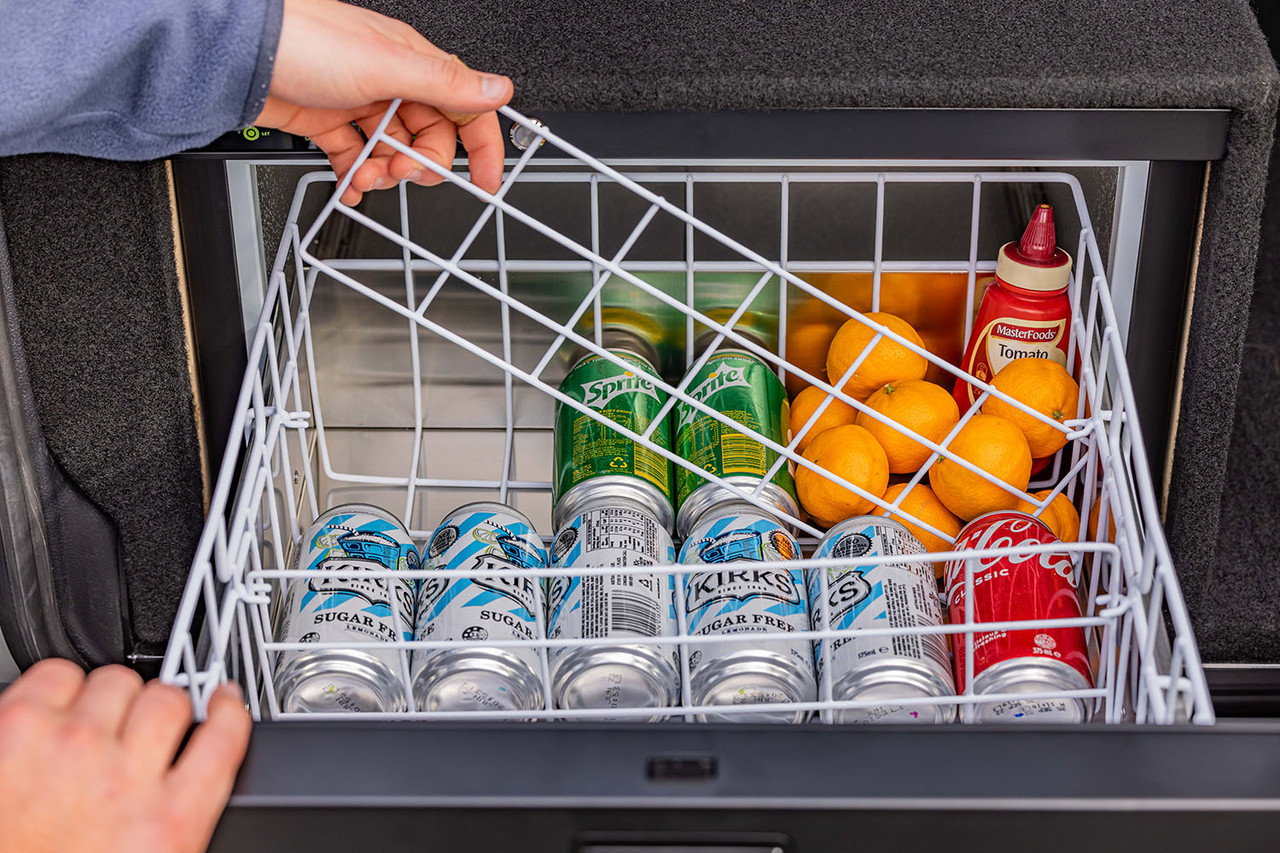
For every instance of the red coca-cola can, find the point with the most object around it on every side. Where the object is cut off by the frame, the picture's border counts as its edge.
(1015, 588)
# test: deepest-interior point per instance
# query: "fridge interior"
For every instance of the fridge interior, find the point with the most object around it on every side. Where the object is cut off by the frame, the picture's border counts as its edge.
(405, 354)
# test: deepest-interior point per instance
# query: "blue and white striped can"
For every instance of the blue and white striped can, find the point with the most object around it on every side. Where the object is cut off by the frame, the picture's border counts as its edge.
(473, 610)
(739, 598)
(340, 604)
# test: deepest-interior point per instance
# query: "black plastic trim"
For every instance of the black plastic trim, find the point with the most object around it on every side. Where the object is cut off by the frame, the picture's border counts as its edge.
(209, 264)
(1244, 690)
(1095, 768)
(814, 830)
(1161, 287)
(978, 134)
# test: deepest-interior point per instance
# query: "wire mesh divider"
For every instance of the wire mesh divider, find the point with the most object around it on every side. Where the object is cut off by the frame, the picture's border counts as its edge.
(266, 492)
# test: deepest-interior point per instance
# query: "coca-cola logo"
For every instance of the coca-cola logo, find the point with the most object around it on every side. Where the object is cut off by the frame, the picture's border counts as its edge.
(1009, 532)
(1023, 333)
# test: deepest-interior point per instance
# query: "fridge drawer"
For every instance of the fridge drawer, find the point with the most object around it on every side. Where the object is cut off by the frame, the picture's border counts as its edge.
(472, 341)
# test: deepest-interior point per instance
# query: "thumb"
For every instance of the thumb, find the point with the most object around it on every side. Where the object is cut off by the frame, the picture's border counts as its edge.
(441, 81)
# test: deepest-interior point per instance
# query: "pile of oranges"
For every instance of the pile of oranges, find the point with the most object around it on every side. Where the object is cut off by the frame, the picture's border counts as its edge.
(868, 451)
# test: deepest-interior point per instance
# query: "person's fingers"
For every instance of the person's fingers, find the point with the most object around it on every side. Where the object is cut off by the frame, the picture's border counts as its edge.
(105, 699)
(51, 683)
(375, 173)
(342, 146)
(434, 136)
(155, 724)
(437, 80)
(485, 151)
(207, 767)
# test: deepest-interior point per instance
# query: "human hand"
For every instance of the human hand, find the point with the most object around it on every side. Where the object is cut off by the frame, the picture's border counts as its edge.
(86, 763)
(338, 63)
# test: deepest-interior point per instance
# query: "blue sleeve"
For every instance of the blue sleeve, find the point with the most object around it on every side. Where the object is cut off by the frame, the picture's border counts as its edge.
(131, 79)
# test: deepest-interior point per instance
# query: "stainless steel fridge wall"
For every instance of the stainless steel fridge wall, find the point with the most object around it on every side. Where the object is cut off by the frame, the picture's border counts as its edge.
(78, 227)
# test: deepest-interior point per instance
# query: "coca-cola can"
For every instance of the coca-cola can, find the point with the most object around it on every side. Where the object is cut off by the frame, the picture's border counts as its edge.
(1032, 586)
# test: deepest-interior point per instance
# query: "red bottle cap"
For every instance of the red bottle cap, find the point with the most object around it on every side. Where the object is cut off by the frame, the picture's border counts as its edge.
(1035, 262)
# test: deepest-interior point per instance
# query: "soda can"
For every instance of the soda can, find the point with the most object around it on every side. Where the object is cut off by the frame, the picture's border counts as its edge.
(470, 610)
(338, 605)
(1015, 588)
(902, 594)
(588, 453)
(613, 674)
(737, 598)
(746, 390)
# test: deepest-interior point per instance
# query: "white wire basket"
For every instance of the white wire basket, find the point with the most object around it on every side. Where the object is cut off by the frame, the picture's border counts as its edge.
(283, 466)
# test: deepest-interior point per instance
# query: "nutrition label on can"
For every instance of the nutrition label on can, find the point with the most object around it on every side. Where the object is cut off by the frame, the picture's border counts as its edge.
(598, 450)
(894, 595)
(747, 392)
(611, 605)
(586, 447)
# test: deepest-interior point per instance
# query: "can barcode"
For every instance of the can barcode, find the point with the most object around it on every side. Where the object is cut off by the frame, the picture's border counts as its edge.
(615, 532)
(635, 613)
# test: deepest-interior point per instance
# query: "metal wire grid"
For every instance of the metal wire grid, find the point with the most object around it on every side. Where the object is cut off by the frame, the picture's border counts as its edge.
(266, 491)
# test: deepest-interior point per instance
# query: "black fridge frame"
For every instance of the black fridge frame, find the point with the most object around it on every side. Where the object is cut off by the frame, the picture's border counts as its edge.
(675, 787)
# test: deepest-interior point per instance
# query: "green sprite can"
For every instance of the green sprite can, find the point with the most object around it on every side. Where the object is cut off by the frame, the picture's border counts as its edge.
(591, 458)
(744, 389)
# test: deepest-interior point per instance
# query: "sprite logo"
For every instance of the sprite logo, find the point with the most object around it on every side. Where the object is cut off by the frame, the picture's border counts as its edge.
(598, 393)
(724, 376)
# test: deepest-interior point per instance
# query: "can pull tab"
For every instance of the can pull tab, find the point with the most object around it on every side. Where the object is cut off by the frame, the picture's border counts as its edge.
(523, 136)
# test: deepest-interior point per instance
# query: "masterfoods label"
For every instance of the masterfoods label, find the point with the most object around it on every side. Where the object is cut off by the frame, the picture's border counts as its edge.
(481, 608)
(626, 604)
(746, 391)
(340, 605)
(739, 597)
(893, 595)
(585, 448)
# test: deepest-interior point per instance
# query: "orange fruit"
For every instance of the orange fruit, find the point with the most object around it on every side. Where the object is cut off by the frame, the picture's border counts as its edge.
(850, 452)
(928, 409)
(807, 345)
(837, 413)
(1041, 384)
(994, 445)
(888, 361)
(1093, 522)
(922, 503)
(1060, 516)
(946, 345)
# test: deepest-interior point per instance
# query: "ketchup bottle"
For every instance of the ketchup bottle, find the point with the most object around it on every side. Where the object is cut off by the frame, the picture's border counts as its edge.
(1025, 312)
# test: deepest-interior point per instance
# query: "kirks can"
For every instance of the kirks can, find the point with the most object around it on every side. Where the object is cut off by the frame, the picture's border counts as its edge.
(614, 532)
(900, 594)
(1014, 588)
(748, 392)
(340, 604)
(737, 597)
(471, 610)
(588, 453)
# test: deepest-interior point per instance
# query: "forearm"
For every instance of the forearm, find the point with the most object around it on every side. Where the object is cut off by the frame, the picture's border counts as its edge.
(131, 79)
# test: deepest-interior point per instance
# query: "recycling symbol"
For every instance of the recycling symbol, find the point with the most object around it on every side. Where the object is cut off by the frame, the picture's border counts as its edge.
(618, 462)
